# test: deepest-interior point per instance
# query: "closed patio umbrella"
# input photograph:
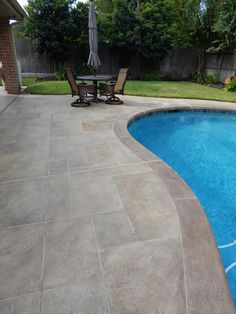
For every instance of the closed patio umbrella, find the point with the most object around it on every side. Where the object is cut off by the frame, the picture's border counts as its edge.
(93, 60)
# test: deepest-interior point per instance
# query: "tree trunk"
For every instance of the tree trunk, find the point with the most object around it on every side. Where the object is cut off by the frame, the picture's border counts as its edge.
(220, 64)
(138, 5)
(234, 62)
(201, 64)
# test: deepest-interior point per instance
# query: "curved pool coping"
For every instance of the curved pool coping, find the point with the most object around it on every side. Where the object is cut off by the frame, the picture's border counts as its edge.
(204, 273)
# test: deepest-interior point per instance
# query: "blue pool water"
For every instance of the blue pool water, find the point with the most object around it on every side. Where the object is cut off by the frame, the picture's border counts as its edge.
(201, 147)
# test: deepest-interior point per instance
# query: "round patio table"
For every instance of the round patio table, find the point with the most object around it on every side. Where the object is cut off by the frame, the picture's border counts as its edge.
(95, 79)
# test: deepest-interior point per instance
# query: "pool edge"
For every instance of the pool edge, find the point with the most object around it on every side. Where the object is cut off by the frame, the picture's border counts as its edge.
(205, 280)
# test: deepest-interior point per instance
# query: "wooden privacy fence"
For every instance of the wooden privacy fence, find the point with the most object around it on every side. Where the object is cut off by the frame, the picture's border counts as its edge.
(30, 62)
(178, 64)
(221, 65)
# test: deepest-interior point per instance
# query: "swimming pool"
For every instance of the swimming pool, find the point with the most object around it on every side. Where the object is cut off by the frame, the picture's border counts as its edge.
(201, 147)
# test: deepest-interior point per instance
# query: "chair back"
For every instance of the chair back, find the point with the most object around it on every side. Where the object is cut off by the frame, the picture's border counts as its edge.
(72, 82)
(121, 79)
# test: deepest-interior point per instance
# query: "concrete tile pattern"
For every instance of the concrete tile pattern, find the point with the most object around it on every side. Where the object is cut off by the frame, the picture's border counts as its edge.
(149, 205)
(71, 244)
(93, 195)
(23, 202)
(21, 254)
(93, 223)
(27, 304)
(144, 277)
(87, 298)
(113, 230)
(58, 197)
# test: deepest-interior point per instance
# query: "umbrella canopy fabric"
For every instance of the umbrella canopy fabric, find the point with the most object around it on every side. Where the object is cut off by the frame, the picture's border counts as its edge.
(93, 60)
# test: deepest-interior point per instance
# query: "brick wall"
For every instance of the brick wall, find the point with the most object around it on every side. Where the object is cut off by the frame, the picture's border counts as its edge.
(7, 56)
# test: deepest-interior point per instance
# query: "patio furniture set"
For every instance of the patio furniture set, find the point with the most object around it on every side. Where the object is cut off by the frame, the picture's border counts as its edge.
(89, 92)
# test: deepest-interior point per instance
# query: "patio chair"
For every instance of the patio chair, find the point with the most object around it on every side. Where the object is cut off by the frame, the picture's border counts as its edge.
(111, 89)
(84, 91)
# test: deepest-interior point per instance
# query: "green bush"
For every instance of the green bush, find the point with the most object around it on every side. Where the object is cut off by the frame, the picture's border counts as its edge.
(60, 75)
(151, 76)
(194, 75)
(210, 79)
(231, 87)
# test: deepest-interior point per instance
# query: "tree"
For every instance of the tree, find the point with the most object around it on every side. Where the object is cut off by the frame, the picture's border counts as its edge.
(105, 6)
(193, 26)
(125, 26)
(138, 5)
(225, 27)
(119, 30)
(79, 36)
(49, 26)
(18, 29)
(131, 32)
(192, 22)
(154, 23)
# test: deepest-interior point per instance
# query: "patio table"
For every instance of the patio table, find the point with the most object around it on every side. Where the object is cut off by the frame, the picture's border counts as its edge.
(95, 79)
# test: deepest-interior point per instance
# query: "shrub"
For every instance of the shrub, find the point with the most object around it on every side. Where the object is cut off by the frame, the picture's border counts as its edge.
(194, 75)
(60, 75)
(152, 76)
(231, 87)
(210, 79)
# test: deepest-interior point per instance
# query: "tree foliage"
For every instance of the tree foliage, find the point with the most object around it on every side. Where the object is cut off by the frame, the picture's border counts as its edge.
(58, 28)
(154, 29)
(192, 26)
(193, 21)
(49, 26)
(79, 39)
(105, 6)
(225, 26)
(143, 32)
(125, 28)
(145, 28)
(19, 29)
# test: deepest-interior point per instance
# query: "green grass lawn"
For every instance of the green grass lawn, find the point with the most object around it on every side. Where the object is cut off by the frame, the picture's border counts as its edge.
(144, 88)
(49, 88)
(26, 81)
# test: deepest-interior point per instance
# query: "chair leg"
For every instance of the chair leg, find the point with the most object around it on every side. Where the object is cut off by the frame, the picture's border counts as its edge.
(114, 100)
(80, 102)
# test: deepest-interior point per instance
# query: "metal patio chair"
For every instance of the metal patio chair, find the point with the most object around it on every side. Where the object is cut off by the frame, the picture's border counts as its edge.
(84, 91)
(111, 89)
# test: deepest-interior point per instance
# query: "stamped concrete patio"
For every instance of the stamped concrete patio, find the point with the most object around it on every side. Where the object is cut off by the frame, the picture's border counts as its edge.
(90, 222)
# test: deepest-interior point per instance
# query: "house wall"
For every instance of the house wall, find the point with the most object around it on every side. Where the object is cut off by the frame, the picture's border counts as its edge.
(8, 58)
